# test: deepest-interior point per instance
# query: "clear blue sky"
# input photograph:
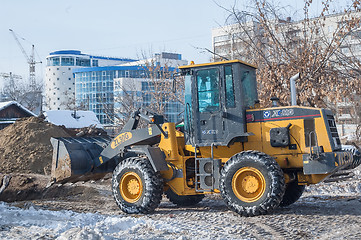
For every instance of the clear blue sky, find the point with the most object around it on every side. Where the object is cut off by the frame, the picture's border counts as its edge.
(109, 28)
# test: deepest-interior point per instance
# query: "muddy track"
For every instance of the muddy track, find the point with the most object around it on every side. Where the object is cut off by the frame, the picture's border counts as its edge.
(267, 230)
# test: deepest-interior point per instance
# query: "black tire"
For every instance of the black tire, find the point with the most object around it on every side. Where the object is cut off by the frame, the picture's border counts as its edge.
(186, 200)
(252, 183)
(136, 187)
(292, 194)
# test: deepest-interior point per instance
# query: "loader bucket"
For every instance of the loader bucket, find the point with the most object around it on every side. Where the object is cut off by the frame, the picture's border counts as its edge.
(73, 158)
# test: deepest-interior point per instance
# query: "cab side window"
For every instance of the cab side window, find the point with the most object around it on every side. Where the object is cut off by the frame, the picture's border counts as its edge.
(228, 76)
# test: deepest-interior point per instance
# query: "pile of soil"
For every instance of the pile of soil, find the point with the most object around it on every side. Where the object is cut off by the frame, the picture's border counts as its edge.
(25, 146)
(25, 187)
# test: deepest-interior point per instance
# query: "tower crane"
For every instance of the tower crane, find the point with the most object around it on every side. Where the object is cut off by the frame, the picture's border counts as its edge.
(30, 59)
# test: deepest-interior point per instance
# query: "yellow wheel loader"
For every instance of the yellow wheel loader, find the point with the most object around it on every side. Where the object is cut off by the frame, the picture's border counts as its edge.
(256, 158)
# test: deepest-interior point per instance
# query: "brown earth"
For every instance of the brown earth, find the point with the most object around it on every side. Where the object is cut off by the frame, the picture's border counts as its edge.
(91, 196)
(25, 146)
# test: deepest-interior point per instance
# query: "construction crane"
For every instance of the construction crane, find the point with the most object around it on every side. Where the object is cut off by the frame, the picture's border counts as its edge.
(30, 58)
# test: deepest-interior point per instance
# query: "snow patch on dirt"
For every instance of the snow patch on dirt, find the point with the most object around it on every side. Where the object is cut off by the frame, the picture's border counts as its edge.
(33, 222)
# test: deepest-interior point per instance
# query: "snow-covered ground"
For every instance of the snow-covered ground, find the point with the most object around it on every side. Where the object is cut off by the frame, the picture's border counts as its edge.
(326, 211)
(32, 223)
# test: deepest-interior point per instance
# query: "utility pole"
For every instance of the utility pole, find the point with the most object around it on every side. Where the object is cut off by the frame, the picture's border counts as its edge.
(30, 59)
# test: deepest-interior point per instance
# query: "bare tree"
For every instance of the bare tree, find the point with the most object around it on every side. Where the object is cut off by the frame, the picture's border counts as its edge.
(152, 91)
(70, 102)
(126, 100)
(28, 95)
(264, 36)
(159, 90)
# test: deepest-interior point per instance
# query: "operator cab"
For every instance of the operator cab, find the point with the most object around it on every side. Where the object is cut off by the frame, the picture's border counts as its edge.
(216, 98)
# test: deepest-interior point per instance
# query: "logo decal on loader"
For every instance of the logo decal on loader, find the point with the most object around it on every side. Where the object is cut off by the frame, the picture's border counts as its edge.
(120, 139)
(278, 113)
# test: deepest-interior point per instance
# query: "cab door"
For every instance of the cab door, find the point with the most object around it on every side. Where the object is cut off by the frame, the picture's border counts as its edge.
(233, 112)
(208, 120)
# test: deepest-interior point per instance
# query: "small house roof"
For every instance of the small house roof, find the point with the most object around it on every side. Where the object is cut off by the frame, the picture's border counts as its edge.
(72, 119)
(4, 105)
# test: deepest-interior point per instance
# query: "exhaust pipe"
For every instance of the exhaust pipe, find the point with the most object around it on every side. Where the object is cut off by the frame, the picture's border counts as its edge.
(293, 89)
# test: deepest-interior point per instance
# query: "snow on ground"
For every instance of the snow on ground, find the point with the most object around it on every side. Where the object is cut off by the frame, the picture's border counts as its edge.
(326, 211)
(30, 223)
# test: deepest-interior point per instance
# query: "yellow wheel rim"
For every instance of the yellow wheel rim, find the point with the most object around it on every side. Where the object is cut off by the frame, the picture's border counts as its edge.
(248, 184)
(131, 187)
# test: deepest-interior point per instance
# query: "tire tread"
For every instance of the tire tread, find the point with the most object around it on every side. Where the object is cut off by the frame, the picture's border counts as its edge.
(277, 182)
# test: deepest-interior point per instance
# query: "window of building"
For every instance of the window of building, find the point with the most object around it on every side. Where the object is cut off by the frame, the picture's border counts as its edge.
(69, 78)
(70, 88)
(67, 61)
(330, 29)
(82, 62)
(53, 61)
(221, 38)
(95, 63)
(57, 79)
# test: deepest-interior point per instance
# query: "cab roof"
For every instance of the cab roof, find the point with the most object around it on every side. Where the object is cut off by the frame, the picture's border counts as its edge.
(216, 63)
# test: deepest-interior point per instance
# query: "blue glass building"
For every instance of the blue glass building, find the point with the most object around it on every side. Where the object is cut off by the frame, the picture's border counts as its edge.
(94, 88)
(98, 88)
(59, 78)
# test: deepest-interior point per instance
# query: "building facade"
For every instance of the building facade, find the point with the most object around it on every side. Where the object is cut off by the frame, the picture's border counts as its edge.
(133, 93)
(95, 88)
(59, 86)
(100, 89)
(227, 40)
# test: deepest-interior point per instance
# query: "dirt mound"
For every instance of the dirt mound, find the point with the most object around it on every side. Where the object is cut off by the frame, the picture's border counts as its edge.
(25, 146)
(24, 187)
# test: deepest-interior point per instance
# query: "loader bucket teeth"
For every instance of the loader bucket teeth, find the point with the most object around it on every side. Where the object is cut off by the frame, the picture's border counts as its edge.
(73, 158)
